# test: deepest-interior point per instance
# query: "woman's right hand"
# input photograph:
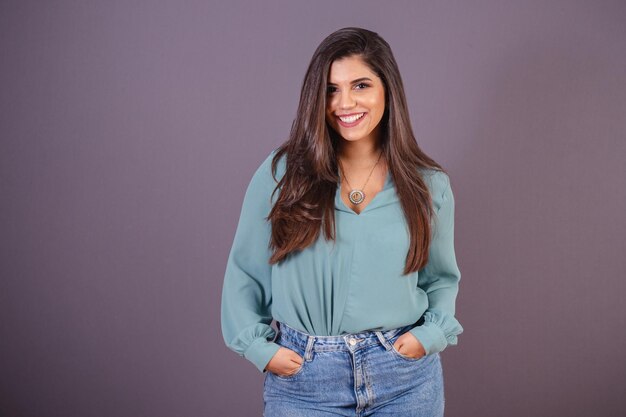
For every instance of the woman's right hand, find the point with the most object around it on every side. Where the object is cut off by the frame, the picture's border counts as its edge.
(285, 362)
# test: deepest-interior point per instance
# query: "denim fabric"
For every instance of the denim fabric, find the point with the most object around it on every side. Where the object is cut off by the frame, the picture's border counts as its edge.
(354, 375)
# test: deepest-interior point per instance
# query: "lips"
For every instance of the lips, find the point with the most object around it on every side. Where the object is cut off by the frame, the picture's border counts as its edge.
(349, 114)
(353, 122)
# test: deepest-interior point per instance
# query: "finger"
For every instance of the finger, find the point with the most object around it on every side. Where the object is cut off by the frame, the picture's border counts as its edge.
(294, 356)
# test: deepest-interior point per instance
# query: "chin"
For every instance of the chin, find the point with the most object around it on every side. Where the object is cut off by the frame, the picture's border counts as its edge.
(354, 138)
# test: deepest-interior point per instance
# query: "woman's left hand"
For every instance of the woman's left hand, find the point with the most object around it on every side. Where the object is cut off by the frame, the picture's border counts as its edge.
(409, 345)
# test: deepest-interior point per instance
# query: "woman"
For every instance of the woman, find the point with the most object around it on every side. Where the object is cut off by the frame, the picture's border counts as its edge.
(345, 238)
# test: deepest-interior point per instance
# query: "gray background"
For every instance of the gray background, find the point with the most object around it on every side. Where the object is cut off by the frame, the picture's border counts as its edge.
(129, 131)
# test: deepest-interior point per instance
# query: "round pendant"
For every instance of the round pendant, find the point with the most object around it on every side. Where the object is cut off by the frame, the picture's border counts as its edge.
(357, 196)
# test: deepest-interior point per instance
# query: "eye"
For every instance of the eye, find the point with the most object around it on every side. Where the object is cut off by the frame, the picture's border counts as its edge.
(331, 89)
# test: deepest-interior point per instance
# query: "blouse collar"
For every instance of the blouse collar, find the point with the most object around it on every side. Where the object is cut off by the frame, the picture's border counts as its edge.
(384, 197)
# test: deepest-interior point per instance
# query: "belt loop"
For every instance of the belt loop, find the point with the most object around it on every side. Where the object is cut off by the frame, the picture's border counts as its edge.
(383, 340)
(308, 354)
(279, 331)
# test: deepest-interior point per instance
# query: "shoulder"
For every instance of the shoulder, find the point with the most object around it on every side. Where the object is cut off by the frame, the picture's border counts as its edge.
(263, 173)
(438, 183)
(262, 184)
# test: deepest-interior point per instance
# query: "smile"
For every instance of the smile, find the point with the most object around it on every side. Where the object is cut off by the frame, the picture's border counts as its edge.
(350, 121)
(352, 118)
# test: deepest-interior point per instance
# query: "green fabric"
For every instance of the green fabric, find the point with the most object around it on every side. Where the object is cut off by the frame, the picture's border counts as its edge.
(351, 285)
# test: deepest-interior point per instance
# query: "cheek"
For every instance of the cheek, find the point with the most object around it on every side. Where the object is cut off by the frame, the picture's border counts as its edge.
(376, 103)
(377, 108)
(331, 102)
(381, 102)
(329, 109)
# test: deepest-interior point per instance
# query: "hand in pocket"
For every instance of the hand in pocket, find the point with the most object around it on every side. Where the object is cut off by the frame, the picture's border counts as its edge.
(409, 345)
(285, 362)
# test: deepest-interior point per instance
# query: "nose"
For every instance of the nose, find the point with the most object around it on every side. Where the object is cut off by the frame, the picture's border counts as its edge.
(346, 101)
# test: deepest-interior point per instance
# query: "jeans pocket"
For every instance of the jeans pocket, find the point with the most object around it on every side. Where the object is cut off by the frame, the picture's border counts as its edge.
(295, 374)
(286, 343)
(400, 355)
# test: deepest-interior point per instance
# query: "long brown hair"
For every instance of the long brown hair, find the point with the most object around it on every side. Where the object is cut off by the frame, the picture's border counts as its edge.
(307, 190)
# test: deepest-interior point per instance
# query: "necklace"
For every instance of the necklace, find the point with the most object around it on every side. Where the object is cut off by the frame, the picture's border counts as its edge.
(357, 195)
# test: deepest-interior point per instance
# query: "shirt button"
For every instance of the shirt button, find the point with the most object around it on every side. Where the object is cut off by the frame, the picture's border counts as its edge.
(352, 342)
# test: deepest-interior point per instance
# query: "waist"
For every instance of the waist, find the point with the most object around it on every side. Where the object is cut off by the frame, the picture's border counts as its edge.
(289, 335)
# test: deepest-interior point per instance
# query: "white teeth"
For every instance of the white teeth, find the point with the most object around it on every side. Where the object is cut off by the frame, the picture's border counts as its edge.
(351, 118)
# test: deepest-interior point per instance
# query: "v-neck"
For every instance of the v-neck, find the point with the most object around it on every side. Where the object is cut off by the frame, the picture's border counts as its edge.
(339, 203)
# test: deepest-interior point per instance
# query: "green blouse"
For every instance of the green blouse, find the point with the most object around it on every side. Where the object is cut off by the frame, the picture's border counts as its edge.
(347, 286)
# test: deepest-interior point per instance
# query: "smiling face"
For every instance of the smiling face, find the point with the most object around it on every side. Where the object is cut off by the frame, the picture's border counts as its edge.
(357, 95)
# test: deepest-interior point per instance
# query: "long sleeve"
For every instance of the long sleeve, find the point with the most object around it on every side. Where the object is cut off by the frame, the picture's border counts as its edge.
(246, 293)
(440, 279)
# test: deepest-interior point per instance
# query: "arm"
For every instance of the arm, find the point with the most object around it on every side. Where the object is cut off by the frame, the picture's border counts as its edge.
(246, 294)
(440, 279)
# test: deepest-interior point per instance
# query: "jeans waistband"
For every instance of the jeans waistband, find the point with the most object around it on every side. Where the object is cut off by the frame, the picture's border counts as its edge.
(350, 341)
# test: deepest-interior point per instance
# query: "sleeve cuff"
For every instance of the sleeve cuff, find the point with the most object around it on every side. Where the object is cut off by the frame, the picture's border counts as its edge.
(430, 336)
(260, 352)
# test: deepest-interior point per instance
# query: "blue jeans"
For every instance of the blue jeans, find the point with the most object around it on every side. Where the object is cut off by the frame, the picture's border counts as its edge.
(354, 375)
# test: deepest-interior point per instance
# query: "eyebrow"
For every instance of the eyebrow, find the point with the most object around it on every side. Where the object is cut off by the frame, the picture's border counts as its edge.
(355, 81)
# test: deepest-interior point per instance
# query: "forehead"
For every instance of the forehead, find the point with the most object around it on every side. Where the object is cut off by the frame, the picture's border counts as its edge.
(347, 69)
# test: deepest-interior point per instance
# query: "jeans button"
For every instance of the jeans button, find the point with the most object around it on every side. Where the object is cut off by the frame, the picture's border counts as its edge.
(352, 341)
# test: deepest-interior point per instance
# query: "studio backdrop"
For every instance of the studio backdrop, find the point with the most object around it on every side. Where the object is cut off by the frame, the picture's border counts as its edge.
(129, 131)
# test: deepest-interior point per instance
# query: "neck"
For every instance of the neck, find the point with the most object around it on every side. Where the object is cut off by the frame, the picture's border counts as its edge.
(359, 154)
